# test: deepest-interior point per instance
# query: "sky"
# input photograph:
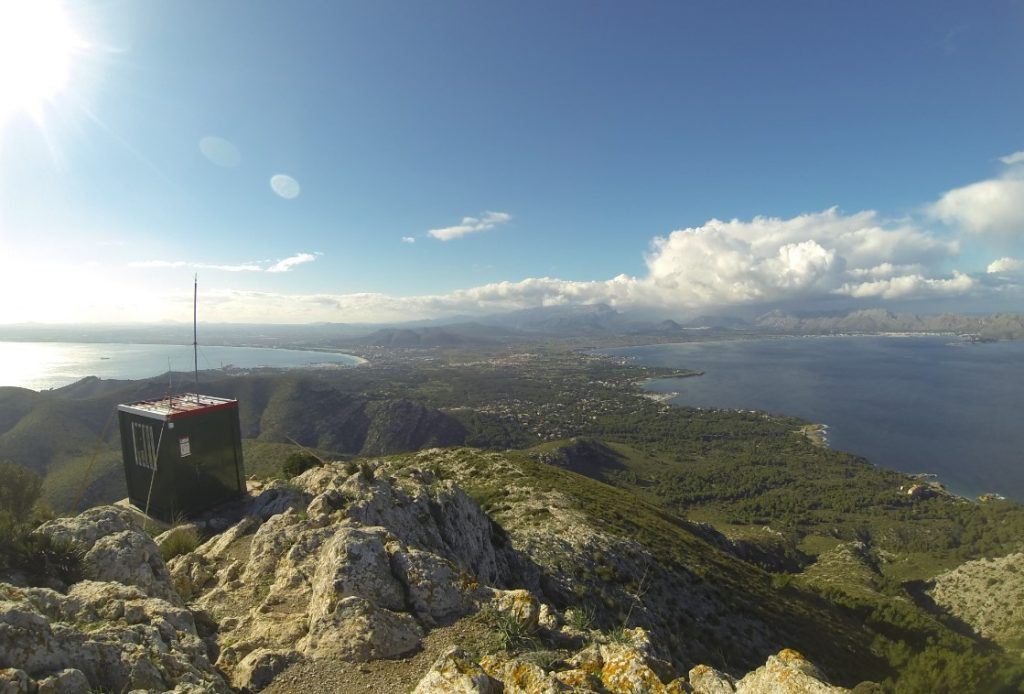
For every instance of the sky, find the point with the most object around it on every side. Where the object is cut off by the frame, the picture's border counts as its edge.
(383, 161)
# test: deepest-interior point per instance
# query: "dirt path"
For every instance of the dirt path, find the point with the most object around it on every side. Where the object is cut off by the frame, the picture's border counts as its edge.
(383, 676)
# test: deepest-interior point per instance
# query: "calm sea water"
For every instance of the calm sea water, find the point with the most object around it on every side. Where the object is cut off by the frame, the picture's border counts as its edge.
(40, 365)
(916, 404)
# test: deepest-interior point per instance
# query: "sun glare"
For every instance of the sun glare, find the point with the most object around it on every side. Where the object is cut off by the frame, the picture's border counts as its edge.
(38, 46)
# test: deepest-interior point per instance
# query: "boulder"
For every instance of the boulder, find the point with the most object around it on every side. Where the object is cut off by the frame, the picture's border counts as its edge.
(519, 677)
(435, 588)
(455, 673)
(624, 671)
(520, 605)
(256, 670)
(115, 549)
(707, 680)
(359, 630)
(787, 672)
(68, 681)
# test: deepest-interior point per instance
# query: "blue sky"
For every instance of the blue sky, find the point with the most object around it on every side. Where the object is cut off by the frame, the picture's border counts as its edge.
(585, 130)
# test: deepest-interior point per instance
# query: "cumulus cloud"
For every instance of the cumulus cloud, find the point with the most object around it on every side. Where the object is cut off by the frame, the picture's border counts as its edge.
(1015, 158)
(993, 207)
(408, 239)
(765, 260)
(470, 225)
(283, 265)
(1006, 266)
(769, 259)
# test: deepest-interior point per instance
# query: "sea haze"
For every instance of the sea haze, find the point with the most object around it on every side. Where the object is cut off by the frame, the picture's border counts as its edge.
(916, 404)
(41, 365)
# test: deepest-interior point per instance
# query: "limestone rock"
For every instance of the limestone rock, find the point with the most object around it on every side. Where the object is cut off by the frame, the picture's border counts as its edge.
(115, 635)
(455, 673)
(68, 681)
(707, 680)
(520, 605)
(256, 670)
(435, 587)
(353, 562)
(13, 681)
(518, 677)
(115, 549)
(359, 630)
(787, 672)
(624, 671)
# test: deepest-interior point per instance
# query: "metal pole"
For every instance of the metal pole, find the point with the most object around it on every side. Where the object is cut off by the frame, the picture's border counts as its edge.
(195, 331)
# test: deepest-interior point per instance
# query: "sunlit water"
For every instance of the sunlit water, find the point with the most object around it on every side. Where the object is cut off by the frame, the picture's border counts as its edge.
(916, 404)
(41, 365)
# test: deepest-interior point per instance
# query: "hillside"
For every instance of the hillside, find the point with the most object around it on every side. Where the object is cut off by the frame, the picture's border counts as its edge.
(452, 335)
(988, 595)
(70, 435)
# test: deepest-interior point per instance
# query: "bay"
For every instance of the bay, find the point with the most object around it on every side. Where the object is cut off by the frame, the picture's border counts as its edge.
(921, 404)
(42, 365)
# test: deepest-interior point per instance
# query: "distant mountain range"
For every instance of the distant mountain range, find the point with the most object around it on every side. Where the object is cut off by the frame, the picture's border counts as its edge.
(527, 325)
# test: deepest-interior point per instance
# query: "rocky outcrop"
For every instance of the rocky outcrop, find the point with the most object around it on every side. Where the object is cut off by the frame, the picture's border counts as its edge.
(112, 636)
(115, 550)
(788, 672)
(455, 673)
(355, 567)
(346, 563)
(624, 667)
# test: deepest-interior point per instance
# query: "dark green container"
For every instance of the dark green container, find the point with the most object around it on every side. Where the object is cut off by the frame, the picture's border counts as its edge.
(182, 454)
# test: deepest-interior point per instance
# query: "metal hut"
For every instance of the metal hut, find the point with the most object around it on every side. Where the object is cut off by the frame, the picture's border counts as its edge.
(182, 454)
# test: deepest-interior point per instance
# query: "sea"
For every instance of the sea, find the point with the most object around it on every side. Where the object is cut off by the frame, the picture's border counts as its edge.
(919, 404)
(44, 365)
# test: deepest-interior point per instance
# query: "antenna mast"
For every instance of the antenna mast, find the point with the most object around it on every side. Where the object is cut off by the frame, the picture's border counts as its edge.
(195, 330)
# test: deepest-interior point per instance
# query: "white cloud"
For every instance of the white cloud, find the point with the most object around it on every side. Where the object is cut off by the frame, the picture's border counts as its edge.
(470, 225)
(994, 206)
(1006, 266)
(408, 239)
(816, 256)
(1012, 159)
(286, 264)
(283, 265)
(770, 259)
(910, 287)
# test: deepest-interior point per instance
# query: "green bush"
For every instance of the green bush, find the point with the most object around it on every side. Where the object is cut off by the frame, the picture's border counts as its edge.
(19, 490)
(180, 540)
(298, 462)
(35, 556)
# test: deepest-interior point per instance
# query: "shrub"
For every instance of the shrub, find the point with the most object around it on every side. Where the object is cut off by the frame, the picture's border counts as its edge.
(580, 618)
(36, 556)
(19, 489)
(513, 635)
(179, 540)
(298, 462)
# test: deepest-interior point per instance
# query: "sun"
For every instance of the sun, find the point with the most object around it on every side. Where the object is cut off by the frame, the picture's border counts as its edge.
(38, 48)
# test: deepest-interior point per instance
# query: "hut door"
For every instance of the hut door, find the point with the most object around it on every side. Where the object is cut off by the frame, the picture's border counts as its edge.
(145, 445)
